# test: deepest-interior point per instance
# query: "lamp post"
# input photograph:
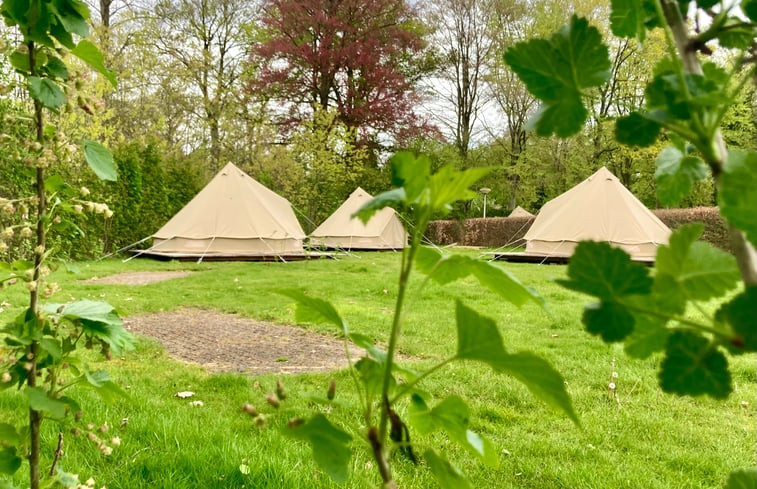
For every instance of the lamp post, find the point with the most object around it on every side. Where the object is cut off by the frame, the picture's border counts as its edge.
(484, 190)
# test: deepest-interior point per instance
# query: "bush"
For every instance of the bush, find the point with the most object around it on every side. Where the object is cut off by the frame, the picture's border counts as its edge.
(715, 230)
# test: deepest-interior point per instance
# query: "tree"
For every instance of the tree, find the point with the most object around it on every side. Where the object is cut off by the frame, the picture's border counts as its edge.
(465, 46)
(201, 44)
(357, 57)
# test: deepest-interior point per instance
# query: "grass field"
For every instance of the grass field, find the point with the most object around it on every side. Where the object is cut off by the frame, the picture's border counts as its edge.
(642, 439)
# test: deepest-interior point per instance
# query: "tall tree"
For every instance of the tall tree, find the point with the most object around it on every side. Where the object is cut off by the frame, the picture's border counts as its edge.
(462, 37)
(357, 57)
(201, 42)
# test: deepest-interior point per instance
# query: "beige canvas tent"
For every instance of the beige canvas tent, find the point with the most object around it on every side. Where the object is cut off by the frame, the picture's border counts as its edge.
(234, 216)
(520, 212)
(600, 208)
(383, 231)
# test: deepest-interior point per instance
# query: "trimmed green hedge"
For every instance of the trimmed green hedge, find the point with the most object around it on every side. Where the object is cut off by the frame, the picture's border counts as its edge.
(508, 231)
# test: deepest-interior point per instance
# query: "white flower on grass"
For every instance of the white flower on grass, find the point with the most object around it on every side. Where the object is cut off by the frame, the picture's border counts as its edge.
(612, 386)
(196, 403)
(184, 394)
(615, 375)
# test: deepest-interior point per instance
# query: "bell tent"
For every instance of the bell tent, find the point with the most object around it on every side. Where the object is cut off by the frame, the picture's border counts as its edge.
(520, 212)
(600, 209)
(383, 231)
(232, 217)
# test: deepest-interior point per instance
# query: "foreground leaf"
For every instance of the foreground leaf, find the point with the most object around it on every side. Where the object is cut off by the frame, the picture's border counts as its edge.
(47, 92)
(10, 462)
(39, 401)
(8, 435)
(741, 314)
(693, 366)
(541, 379)
(612, 321)
(676, 175)
(598, 269)
(742, 479)
(557, 70)
(701, 271)
(448, 476)
(88, 52)
(636, 130)
(330, 445)
(100, 160)
(444, 270)
(98, 319)
(314, 310)
(738, 196)
(477, 336)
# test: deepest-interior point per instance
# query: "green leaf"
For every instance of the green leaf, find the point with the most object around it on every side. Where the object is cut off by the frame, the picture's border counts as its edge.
(738, 196)
(39, 401)
(693, 366)
(330, 445)
(410, 173)
(97, 318)
(57, 68)
(418, 415)
(742, 478)
(612, 321)
(749, 7)
(649, 336)
(629, 18)
(313, 310)
(20, 61)
(636, 130)
(10, 462)
(448, 186)
(47, 92)
(735, 34)
(445, 269)
(9, 435)
(448, 476)
(390, 198)
(88, 52)
(541, 379)
(100, 160)
(52, 347)
(676, 175)
(557, 71)
(100, 382)
(451, 416)
(741, 314)
(477, 336)
(702, 271)
(72, 15)
(598, 269)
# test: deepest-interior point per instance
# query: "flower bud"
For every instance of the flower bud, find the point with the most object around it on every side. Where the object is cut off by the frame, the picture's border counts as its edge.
(332, 390)
(249, 409)
(84, 191)
(273, 400)
(5, 378)
(295, 422)
(280, 390)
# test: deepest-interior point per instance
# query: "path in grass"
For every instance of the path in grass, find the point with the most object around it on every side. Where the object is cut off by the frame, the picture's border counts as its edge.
(229, 343)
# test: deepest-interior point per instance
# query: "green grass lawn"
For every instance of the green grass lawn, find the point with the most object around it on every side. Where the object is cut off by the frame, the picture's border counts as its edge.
(644, 439)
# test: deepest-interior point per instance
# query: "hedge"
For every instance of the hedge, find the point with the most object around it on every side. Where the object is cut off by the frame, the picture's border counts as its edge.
(508, 231)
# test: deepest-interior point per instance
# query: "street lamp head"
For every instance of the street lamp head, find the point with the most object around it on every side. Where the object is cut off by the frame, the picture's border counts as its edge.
(484, 190)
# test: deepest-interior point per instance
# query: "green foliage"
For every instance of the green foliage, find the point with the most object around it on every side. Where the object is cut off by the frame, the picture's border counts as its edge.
(557, 71)
(424, 194)
(40, 359)
(689, 100)
(330, 445)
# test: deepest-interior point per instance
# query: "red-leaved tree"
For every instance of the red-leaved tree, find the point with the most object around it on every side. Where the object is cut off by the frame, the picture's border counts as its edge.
(356, 57)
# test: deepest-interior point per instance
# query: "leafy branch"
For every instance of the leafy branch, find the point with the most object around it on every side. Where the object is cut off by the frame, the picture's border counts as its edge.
(422, 195)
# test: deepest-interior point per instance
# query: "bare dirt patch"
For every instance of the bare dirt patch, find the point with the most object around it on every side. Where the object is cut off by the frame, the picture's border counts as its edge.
(229, 343)
(137, 278)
